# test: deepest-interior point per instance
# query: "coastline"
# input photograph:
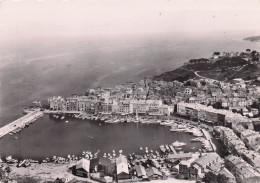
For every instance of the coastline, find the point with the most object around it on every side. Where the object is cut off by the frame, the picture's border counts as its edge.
(50, 171)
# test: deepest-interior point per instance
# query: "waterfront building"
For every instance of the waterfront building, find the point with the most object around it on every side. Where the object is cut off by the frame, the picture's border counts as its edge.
(231, 178)
(122, 168)
(71, 103)
(186, 171)
(139, 106)
(231, 140)
(175, 157)
(102, 165)
(57, 103)
(243, 172)
(82, 168)
(207, 162)
(125, 107)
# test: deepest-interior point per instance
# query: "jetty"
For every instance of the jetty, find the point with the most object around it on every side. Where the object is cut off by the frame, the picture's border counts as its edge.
(208, 137)
(21, 122)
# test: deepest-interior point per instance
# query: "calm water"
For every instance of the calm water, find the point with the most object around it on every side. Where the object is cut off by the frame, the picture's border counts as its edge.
(48, 137)
(34, 70)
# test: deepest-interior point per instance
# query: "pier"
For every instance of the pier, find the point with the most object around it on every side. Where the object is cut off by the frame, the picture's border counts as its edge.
(208, 137)
(20, 123)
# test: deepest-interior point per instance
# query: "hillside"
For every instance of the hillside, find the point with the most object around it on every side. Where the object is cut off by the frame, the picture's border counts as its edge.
(253, 39)
(225, 69)
(181, 74)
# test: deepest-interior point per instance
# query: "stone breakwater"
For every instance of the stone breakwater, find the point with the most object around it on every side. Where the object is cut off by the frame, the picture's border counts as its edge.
(20, 123)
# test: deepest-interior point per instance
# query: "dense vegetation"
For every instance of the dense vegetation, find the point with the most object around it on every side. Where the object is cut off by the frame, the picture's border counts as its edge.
(222, 69)
(212, 178)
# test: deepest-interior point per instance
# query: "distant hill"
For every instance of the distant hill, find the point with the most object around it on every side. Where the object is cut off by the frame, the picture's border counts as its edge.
(253, 39)
(224, 69)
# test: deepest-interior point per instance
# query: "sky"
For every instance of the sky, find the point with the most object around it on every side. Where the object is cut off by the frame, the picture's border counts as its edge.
(29, 19)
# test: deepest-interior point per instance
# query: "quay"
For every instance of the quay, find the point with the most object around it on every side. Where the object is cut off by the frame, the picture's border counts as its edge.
(20, 123)
(46, 111)
(208, 137)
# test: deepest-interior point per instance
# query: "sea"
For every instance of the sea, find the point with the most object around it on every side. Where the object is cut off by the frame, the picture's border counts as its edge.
(33, 70)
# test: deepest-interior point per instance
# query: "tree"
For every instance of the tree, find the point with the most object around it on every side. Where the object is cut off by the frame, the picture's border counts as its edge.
(221, 178)
(253, 53)
(248, 50)
(210, 177)
(217, 105)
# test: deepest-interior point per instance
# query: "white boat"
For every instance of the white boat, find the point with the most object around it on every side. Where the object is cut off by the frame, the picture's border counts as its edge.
(62, 117)
(178, 130)
(8, 158)
(178, 144)
(66, 121)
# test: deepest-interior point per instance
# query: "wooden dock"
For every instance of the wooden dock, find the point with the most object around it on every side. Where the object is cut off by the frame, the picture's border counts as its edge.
(20, 123)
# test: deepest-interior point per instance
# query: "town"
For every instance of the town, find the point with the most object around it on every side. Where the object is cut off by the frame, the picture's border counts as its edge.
(225, 113)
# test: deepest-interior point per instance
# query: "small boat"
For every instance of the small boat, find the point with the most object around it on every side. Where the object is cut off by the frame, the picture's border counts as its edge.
(198, 139)
(172, 148)
(66, 121)
(141, 148)
(120, 151)
(162, 148)
(178, 148)
(167, 148)
(178, 144)
(62, 117)
(21, 163)
(27, 163)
